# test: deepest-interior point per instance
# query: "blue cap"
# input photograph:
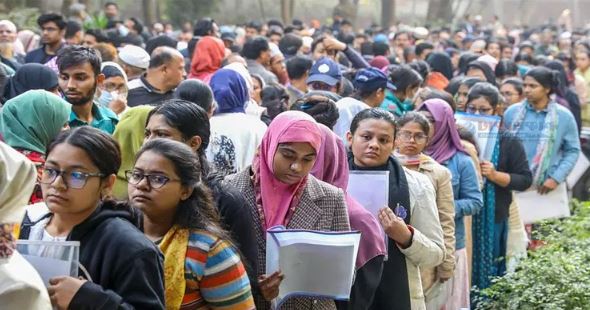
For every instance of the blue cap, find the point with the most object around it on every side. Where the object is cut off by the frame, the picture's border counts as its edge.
(370, 79)
(325, 70)
(382, 38)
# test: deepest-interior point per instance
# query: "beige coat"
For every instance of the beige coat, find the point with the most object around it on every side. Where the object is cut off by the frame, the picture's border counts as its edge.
(427, 249)
(441, 177)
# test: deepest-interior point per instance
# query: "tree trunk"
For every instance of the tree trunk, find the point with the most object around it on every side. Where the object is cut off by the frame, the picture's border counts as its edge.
(149, 12)
(387, 13)
(287, 11)
(346, 10)
(440, 10)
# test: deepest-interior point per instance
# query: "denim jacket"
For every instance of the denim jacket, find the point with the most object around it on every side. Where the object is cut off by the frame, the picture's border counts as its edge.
(466, 190)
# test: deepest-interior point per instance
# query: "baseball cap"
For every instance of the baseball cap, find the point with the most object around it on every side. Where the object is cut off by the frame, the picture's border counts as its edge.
(134, 56)
(372, 79)
(326, 71)
(229, 36)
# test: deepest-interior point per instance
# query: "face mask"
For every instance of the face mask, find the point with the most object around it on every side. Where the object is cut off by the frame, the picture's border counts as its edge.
(123, 31)
(106, 98)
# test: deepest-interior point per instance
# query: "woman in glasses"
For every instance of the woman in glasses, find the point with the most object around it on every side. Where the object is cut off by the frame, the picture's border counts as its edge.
(202, 267)
(411, 140)
(124, 269)
(507, 171)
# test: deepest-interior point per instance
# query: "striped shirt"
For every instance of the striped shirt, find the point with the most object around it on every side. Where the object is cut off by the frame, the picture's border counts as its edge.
(215, 276)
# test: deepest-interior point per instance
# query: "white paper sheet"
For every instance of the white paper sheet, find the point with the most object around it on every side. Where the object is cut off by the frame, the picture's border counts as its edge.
(370, 189)
(48, 267)
(579, 169)
(315, 264)
(51, 258)
(484, 129)
(535, 207)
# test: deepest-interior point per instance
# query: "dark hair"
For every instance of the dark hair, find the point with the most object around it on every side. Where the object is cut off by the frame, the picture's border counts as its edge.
(399, 33)
(198, 210)
(409, 51)
(100, 147)
(558, 67)
(373, 113)
(454, 84)
(317, 41)
(404, 77)
(516, 82)
(506, 68)
(467, 135)
(290, 44)
(276, 23)
(75, 55)
(161, 56)
(195, 91)
(98, 34)
(320, 105)
(137, 24)
(111, 3)
(486, 90)
(275, 99)
(485, 68)
(421, 67)
(297, 66)
(157, 41)
(52, 17)
(441, 62)
(415, 117)
(464, 61)
(432, 93)
(254, 24)
(380, 48)
(546, 77)
(421, 47)
(494, 41)
(526, 58)
(72, 27)
(191, 120)
(203, 27)
(254, 47)
(470, 81)
(111, 71)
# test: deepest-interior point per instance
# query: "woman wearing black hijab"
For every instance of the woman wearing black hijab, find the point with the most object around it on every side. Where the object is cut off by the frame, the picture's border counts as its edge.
(30, 76)
(441, 62)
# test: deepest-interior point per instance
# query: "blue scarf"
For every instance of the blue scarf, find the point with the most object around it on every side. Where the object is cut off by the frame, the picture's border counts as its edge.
(483, 232)
(230, 91)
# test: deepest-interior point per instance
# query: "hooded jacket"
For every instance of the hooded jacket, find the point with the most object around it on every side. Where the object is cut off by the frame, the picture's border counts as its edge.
(126, 268)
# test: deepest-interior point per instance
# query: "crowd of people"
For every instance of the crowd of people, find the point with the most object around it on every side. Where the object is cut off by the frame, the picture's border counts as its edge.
(168, 154)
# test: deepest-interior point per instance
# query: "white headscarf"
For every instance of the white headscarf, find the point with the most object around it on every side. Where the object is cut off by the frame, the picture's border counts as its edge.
(17, 180)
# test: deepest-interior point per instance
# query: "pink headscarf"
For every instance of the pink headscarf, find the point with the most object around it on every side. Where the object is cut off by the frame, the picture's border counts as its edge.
(331, 166)
(446, 141)
(278, 199)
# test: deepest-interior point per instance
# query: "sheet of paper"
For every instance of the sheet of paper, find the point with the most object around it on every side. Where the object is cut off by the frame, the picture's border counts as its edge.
(370, 189)
(48, 267)
(51, 258)
(579, 169)
(307, 259)
(534, 207)
(484, 129)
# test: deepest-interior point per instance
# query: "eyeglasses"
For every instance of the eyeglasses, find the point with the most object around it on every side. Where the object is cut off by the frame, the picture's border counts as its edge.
(320, 86)
(73, 179)
(473, 110)
(407, 136)
(154, 180)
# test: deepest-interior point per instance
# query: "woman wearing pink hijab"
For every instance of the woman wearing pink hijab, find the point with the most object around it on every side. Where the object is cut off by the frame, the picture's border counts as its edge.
(279, 190)
(331, 167)
(207, 58)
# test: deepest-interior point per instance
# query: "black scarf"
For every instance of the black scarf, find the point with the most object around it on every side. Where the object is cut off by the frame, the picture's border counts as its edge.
(393, 291)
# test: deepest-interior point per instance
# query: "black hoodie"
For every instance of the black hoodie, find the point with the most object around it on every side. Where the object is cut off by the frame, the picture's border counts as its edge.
(126, 268)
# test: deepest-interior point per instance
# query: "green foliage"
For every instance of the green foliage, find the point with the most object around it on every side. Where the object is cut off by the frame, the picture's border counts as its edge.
(556, 276)
(181, 11)
(23, 18)
(98, 21)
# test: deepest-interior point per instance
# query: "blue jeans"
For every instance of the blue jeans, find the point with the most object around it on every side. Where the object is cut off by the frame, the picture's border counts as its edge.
(500, 241)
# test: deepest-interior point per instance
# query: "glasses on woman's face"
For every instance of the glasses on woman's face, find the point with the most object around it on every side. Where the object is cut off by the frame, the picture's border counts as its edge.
(407, 136)
(73, 179)
(154, 180)
(473, 110)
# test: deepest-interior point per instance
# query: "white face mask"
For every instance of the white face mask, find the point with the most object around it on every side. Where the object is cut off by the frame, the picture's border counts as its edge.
(123, 31)
(106, 97)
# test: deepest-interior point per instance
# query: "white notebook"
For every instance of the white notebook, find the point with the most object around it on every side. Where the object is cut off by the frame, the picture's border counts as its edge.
(314, 263)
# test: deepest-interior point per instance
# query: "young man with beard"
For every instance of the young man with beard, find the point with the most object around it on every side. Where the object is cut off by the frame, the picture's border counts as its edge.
(53, 29)
(79, 76)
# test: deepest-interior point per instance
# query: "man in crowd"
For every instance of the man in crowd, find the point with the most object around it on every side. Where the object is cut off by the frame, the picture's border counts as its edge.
(134, 60)
(53, 28)
(257, 54)
(298, 70)
(8, 55)
(165, 72)
(325, 75)
(74, 34)
(79, 78)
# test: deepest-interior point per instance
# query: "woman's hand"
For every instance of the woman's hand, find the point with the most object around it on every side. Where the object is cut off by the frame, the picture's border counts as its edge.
(395, 227)
(62, 290)
(269, 285)
(488, 170)
(547, 186)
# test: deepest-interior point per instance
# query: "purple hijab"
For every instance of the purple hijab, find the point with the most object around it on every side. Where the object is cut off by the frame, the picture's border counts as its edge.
(446, 141)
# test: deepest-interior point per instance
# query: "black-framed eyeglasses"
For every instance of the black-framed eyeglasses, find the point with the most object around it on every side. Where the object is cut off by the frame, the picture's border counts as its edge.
(474, 110)
(154, 180)
(407, 136)
(73, 179)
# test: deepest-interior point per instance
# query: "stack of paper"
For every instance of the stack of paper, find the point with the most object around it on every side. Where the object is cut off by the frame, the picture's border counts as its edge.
(370, 189)
(51, 258)
(314, 263)
(535, 207)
